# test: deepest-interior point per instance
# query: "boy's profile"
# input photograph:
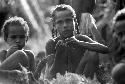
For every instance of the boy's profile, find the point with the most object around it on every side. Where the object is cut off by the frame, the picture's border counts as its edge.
(16, 32)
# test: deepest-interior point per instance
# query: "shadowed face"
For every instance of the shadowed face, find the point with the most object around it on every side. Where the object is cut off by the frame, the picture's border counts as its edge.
(16, 36)
(120, 32)
(64, 23)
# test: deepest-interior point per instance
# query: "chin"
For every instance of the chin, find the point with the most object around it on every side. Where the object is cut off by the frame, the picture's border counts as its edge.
(68, 35)
(20, 48)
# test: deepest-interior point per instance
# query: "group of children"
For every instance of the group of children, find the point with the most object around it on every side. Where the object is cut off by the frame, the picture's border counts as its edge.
(68, 50)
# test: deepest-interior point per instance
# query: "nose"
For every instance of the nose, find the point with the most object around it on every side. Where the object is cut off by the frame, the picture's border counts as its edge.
(64, 24)
(17, 39)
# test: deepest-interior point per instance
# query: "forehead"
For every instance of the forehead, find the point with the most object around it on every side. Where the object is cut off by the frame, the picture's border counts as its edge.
(63, 14)
(16, 30)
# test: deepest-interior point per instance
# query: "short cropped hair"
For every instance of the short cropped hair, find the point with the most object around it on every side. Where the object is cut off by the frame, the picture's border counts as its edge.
(14, 21)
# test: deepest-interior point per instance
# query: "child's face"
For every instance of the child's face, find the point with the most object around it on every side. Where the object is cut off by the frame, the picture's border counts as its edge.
(64, 23)
(16, 36)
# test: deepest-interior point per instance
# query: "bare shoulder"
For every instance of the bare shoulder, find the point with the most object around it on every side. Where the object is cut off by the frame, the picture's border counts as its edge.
(53, 41)
(50, 42)
(3, 55)
(29, 53)
(50, 47)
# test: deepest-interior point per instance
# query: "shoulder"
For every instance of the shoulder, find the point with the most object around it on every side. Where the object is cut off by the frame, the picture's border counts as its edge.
(83, 38)
(53, 40)
(50, 46)
(50, 41)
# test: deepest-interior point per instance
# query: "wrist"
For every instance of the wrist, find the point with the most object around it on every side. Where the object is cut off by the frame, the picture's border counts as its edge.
(83, 44)
(10, 52)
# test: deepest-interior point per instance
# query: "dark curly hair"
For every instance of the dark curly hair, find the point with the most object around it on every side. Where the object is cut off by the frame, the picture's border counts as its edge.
(14, 21)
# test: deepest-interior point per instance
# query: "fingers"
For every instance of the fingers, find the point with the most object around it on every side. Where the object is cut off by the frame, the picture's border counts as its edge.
(12, 49)
(72, 39)
(72, 42)
(49, 58)
(60, 44)
(15, 47)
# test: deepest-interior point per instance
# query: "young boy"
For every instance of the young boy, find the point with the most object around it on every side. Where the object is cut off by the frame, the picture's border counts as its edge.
(16, 32)
(68, 46)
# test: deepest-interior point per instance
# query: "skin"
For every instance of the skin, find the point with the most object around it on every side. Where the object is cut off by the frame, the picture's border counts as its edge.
(65, 24)
(118, 73)
(16, 38)
(68, 49)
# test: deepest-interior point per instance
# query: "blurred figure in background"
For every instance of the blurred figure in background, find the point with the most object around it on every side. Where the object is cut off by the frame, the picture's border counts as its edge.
(88, 27)
(118, 47)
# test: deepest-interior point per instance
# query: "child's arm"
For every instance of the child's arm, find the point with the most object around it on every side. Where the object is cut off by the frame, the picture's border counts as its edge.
(87, 43)
(11, 50)
(94, 46)
(39, 68)
(31, 60)
(3, 55)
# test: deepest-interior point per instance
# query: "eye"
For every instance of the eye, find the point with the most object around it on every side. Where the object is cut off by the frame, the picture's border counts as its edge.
(69, 20)
(13, 37)
(22, 36)
(60, 22)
